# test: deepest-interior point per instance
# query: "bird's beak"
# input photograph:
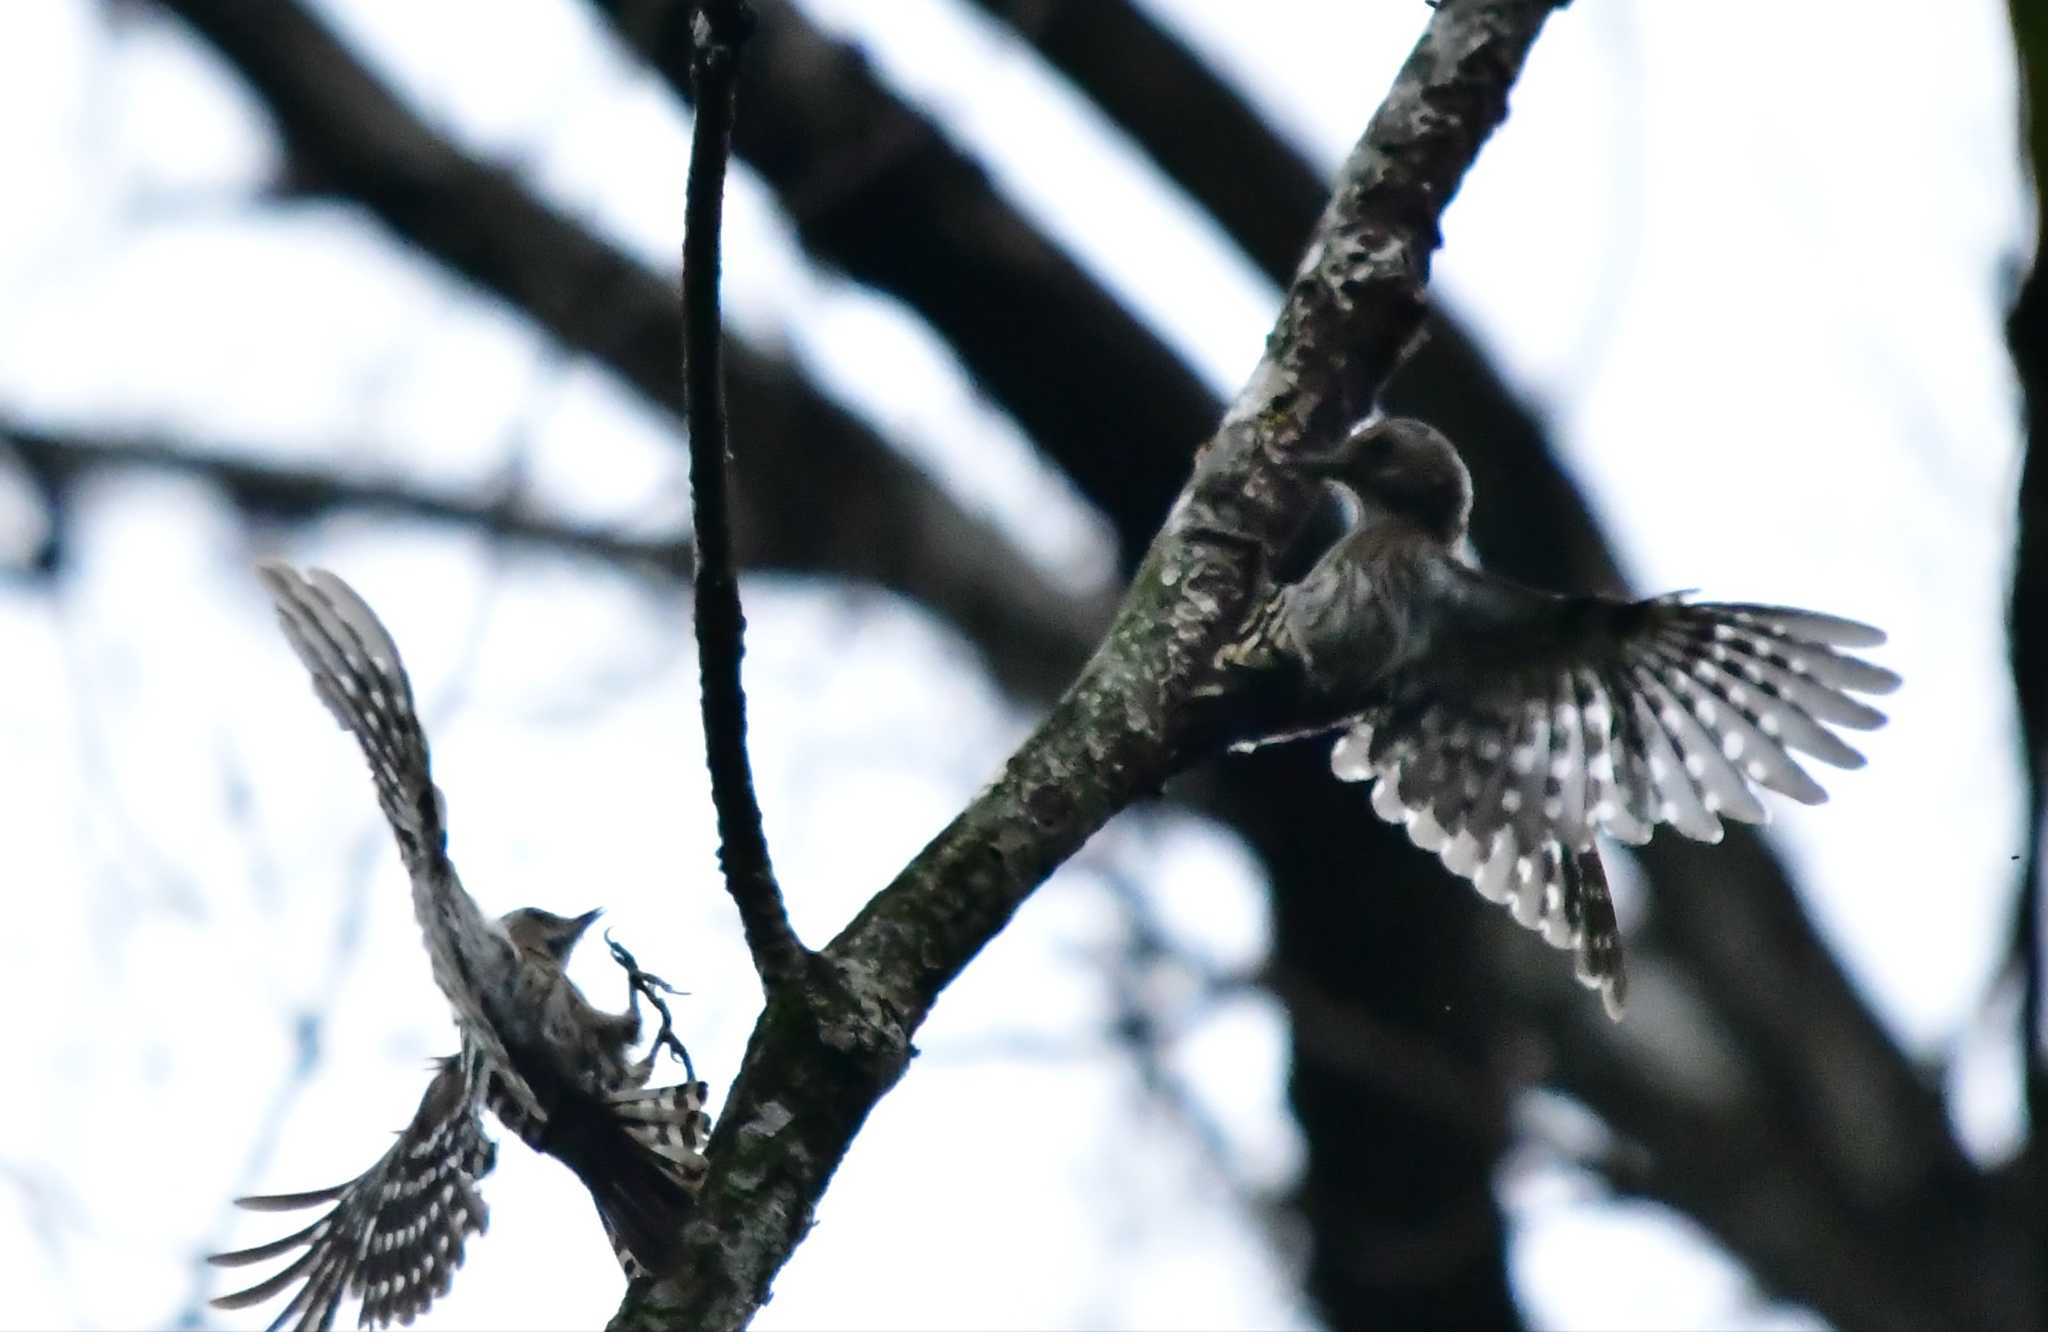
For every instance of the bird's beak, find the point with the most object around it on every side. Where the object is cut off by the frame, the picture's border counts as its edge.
(578, 924)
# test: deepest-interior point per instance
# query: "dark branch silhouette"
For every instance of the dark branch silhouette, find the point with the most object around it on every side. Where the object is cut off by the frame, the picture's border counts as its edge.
(268, 491)
(1026, 628)
(2027, 334)
(720, 30)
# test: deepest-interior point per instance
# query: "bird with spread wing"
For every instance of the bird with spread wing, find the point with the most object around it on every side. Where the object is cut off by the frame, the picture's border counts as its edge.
(1507, 727)
(550, 1066)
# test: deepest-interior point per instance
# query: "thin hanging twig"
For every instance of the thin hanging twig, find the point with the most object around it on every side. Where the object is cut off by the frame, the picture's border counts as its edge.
(718, 28)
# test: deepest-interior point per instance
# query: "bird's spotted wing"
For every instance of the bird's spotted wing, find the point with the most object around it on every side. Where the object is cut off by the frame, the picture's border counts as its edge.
(359, 675)
(395, 1234)
(1535, 722)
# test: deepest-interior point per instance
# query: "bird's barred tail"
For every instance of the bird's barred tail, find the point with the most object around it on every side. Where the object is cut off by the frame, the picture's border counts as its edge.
(670, 1123)
(670, 1126)
(642, 1160)
(641, 1156)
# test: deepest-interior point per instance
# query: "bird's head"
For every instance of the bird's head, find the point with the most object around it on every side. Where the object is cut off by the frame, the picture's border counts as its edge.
(1411, 471)
(546, 932)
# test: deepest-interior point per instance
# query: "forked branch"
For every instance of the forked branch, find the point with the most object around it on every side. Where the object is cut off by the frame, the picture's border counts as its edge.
(814, 1070)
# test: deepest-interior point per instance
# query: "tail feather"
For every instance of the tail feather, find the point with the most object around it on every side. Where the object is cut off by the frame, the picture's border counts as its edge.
(669, 1122)
(640, 1156)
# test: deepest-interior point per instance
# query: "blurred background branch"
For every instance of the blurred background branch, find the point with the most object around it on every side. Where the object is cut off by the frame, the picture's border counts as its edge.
(816, 476)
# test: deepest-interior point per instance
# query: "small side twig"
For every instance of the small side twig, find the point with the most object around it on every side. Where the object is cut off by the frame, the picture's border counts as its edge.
(718, 28)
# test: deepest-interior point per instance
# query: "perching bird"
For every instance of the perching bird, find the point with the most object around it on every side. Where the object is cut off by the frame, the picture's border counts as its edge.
(1506, 726)
(554, 1069)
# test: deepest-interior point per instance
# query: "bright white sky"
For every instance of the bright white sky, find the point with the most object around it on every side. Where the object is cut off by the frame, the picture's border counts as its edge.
(1756, 280)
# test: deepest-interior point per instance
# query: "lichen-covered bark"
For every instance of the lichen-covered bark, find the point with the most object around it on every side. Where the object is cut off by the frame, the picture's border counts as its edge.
(818, 1062)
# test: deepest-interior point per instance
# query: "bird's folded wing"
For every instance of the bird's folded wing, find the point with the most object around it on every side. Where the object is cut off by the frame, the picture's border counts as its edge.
(395, 1234)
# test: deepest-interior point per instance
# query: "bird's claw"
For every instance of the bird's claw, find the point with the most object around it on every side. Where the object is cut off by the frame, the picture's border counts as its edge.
(644, 981)
(653, 988)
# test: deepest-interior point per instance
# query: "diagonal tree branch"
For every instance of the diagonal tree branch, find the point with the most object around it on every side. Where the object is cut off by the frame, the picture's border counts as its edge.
(878, 189)
(1864, 1110)
(824, 116)
(1365, 1173)
(720, 29)
(1348, 317)
(818, 1063)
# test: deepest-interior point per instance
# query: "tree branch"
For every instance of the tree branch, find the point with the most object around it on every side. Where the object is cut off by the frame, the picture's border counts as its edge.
(1860, 1117)
(1345, 324)
(878, 189)
(816, 1066)
(261, 489)
(1024, 627)
(721, 626)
